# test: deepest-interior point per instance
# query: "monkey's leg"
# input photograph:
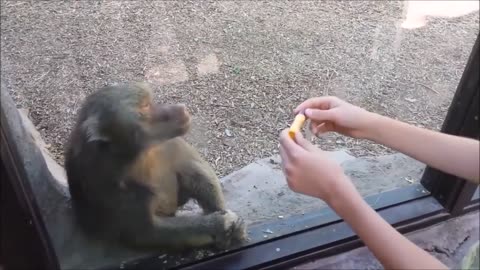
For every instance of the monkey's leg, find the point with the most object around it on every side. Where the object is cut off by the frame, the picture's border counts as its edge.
(201, 183)
(190, 231)
(183, 195)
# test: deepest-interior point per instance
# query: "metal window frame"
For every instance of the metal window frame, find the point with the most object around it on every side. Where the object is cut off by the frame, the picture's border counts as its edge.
(17, 176)
(462, 119)
(406, 209)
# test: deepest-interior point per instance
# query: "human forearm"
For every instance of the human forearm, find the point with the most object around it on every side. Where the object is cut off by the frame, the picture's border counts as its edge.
(392, 249)
(452, 154)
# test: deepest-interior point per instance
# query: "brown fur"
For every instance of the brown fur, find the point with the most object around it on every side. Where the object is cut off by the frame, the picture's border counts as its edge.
(129, 170)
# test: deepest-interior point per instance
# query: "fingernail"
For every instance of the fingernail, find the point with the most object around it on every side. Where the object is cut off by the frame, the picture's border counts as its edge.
(308, 112)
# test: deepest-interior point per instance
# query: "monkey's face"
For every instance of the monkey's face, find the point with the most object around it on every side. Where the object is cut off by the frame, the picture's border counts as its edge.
(168, 120)
(171, 120)
(132, 104)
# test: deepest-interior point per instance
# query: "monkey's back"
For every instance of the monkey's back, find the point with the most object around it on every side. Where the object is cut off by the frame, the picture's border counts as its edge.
(102, 196)
(96, 169)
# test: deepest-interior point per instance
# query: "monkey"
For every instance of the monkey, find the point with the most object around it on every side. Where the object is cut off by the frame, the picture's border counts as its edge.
(129, 170)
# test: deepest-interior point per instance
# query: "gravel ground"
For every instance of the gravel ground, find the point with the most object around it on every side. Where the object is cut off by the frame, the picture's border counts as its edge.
(239, 66)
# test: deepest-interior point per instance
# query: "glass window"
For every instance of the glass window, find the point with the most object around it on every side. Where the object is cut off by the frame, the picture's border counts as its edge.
(476, 195)
(241, 67)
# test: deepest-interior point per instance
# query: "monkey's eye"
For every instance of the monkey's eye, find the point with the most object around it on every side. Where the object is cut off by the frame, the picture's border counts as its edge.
(144, 106)
(161, 113)
(144, 109)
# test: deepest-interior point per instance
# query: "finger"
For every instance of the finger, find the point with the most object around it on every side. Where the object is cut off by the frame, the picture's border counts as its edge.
(320, 115)
(288, 144)
(324, 128)
(314, 126)
(283, 159)
(324, 103)
(283, 155)
(304, 142)
(286, 164)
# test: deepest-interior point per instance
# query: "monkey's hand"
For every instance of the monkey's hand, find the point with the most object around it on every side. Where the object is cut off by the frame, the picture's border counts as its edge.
(233, 229)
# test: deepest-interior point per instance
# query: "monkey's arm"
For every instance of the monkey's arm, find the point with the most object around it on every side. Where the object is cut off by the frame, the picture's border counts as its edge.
(200, 181)
(218, 228)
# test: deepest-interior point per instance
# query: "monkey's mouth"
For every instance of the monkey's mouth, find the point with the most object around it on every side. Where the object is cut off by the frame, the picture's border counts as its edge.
(184, 125)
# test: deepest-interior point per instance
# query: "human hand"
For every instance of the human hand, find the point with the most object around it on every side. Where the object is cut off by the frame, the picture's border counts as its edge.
(309, 171)
(328, 114)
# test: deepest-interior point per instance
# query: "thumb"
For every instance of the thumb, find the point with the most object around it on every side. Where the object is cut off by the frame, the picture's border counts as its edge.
(319, 115)
(323, 128)
(304, 143)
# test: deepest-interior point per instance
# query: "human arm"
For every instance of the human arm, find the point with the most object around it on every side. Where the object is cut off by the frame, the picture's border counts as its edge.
(309, 171)
(392, 249)
(452, 154)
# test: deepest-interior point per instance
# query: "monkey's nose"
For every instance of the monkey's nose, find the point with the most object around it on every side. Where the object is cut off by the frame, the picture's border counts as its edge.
(182, 112)
(182, 108)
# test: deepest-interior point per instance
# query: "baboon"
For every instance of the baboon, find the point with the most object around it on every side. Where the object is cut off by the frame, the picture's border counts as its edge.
(129, 169)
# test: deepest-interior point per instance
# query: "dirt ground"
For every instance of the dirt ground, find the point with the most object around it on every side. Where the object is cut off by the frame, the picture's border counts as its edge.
(240, 67)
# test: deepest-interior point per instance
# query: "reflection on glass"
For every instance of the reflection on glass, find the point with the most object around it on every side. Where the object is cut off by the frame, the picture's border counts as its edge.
(417, 11)
(241, 67)
(476, 195)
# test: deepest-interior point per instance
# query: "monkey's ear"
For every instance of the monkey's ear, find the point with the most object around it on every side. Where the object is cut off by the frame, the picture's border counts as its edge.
(143, 86)
(91, 129)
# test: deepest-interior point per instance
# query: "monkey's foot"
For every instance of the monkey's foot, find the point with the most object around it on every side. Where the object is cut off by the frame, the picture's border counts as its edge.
(233, 231)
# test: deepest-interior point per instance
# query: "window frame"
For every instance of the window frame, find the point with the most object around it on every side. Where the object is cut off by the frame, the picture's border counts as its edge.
(462, 119)
(406, 209)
